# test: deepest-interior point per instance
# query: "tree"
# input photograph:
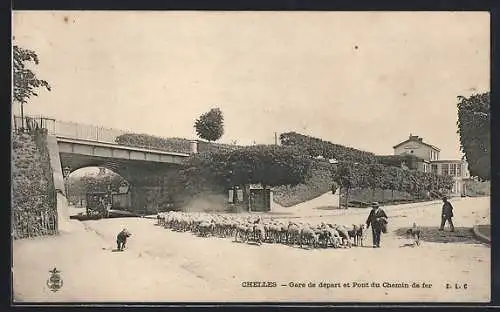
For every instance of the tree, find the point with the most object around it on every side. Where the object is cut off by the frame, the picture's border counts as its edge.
(474, 129)
(25, 80)
(268, 165)
(205, 171)
(210, 125)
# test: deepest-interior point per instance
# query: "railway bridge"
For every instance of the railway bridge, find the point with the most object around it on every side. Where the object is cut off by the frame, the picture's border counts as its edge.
(73, 146)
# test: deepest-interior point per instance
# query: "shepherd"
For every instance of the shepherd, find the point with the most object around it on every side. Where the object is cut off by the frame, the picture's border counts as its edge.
(121, 239)
(378, 220)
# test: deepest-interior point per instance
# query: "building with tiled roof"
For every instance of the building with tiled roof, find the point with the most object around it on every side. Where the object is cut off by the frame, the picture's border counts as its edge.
(428, 160)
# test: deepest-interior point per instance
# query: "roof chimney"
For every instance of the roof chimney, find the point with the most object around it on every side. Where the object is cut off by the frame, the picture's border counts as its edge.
(414, 137)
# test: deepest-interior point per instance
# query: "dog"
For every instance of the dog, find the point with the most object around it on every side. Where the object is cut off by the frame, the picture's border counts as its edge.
(414, 232)
(357, 234)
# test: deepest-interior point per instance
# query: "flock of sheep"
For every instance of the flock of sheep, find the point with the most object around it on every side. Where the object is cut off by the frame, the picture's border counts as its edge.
(259, 231)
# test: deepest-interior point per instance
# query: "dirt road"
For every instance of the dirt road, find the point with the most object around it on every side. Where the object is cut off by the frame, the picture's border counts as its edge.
(165, 266)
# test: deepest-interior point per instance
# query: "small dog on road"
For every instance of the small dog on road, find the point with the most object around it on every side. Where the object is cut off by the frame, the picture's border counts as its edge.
(414, 232)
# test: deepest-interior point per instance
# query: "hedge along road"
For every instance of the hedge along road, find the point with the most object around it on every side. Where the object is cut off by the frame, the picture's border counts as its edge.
(161, 265)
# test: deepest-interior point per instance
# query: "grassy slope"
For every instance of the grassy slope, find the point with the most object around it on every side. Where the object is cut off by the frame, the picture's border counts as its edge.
(316, 185)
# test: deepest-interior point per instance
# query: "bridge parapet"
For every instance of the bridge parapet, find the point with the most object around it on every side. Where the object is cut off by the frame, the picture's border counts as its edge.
(70, 129)
(78, 131)
(87, 132)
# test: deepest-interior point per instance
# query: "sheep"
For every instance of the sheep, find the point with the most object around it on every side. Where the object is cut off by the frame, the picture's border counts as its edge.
(245, 229)
(308, 237)
(343, 232)
(206, 228)
(241, 231)
(293, 233)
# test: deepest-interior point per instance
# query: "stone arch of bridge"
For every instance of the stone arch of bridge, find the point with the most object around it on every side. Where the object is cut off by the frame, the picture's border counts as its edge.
(151, 183)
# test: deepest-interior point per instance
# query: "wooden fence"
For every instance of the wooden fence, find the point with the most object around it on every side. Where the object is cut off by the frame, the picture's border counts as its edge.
(31, 225)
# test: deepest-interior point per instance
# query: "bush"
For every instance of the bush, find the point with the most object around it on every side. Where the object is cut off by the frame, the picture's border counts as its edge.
(477, 188)
(358, 175)
(316, 147)
(176, 145)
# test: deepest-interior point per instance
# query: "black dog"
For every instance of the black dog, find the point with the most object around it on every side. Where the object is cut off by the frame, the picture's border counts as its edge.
(414, 232)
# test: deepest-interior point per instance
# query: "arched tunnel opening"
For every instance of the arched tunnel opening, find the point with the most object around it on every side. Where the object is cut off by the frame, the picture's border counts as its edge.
(97, 191)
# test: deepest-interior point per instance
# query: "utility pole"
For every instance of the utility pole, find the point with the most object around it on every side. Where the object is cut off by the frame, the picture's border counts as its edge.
(275, 138)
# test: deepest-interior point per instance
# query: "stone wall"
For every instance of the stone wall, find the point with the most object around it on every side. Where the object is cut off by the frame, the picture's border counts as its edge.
(34, 203)
(362, 197)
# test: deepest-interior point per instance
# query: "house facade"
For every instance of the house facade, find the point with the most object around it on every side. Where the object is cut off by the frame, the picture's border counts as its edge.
(429, 161)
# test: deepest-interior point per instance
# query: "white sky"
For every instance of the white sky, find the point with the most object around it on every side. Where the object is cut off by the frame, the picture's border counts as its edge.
(155, 72)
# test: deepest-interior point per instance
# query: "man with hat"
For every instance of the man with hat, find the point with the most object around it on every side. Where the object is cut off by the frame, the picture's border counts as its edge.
(446, 214)
(378, 220)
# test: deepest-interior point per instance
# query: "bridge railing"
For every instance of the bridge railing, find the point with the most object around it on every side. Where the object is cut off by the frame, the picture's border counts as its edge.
(73, 130)
(67, 129)
(87, 132)
(28, 123)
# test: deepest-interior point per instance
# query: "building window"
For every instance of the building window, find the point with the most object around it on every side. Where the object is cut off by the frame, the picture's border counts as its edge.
(434, 168)
(459, 170)
(444, 169)
(452, 169)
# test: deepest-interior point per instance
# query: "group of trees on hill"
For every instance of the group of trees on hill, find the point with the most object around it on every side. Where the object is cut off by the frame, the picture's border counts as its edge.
(271, 165)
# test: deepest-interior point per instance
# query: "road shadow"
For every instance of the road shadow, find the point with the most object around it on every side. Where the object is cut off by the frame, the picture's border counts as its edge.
(412, 245)
(398, 216)
(328, 208)
(275, 213)
(433, 235)
(365, 245)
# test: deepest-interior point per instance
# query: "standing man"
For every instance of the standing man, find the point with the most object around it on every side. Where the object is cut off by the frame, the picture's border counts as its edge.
(446, 215)
(378, 220)
(121, 239)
